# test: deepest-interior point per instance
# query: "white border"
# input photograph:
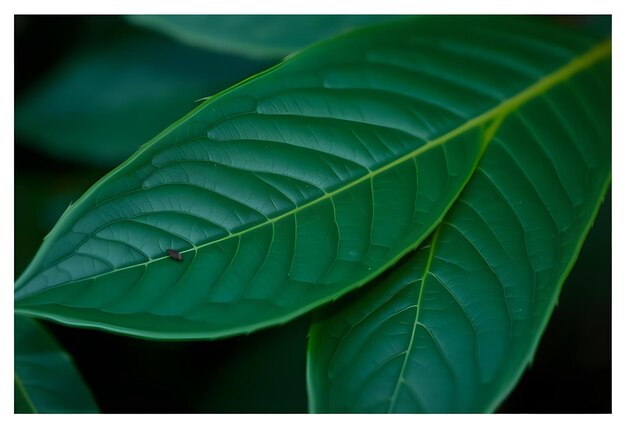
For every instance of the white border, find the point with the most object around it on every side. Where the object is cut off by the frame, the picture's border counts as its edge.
(312, 7)
(11, 7)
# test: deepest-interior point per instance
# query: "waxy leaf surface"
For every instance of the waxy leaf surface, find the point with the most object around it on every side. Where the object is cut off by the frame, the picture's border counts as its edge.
(452, 327)
(298, 185)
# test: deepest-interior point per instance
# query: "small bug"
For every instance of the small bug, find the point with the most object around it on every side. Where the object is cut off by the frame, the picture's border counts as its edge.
(174, 254)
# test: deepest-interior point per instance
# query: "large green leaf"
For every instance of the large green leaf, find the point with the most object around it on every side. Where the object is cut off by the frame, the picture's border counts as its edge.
(286, 191)
(46, 380)
(453, 326)
(255, 36)
(113, 93)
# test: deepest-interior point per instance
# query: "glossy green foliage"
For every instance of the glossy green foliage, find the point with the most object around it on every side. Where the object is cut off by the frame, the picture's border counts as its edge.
(255, 36)
(288, 190)
(452, 327)
(280, 194)
(107, 97)
(46, 380)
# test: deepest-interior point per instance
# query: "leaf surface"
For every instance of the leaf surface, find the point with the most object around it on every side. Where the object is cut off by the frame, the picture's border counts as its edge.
(46, 380)
(453, 326)
(306, 181)
(254, 36)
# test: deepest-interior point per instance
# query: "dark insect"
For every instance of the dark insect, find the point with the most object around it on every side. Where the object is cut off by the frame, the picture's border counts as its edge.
(174, 254)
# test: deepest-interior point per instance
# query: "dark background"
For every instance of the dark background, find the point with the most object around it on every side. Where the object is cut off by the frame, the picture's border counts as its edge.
(265, 372)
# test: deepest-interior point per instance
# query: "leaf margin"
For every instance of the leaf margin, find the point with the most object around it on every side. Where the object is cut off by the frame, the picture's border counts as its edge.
(493, 117)
(600, 52)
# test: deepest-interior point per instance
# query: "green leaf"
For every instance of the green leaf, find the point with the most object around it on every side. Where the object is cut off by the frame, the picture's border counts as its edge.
(254, 36)
(294, 187)
(453, 326)
(46, 380)
(114, 93)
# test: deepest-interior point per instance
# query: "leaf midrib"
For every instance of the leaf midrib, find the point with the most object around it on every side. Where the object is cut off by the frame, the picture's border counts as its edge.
(401, 379)
(433, 243)
(497, 113)
(588, 59)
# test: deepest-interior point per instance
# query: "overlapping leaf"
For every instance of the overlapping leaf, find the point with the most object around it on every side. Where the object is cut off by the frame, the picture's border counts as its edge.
(298, 185)
(107, 98)
(454, 325)
(46, 380)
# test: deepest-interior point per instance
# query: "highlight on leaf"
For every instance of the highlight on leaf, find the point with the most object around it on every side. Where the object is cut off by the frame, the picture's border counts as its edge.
(424, 185)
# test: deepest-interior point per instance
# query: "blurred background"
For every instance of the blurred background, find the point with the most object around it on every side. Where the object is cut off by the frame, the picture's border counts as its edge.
(90, 90)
